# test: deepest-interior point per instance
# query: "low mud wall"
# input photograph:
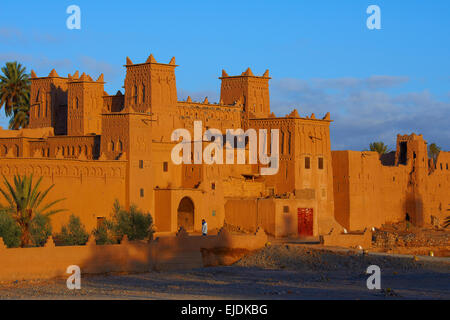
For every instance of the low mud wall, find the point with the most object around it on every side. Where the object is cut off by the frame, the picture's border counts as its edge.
(180, 251)
(348, 240)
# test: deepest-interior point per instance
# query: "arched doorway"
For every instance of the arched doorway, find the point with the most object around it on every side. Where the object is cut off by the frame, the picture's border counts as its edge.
(186, 214)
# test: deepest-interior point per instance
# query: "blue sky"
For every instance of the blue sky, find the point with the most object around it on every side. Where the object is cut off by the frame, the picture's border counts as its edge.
(321, 55)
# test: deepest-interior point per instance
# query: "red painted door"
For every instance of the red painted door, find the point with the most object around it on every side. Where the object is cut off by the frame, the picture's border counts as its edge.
(305, 222)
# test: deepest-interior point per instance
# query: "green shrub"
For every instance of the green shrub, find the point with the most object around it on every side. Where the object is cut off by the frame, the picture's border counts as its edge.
(103, 235)
(40, 230)
(74, 233)
(134, 223)
(9, 230)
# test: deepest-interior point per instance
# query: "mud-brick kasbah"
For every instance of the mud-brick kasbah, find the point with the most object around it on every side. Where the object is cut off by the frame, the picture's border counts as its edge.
(95, 148)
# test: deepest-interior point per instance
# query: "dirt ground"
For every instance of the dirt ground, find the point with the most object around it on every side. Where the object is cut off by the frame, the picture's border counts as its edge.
(404, 238)
(275, 272)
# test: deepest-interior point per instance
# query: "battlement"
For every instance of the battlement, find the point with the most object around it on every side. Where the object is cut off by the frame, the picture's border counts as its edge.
(246, 73)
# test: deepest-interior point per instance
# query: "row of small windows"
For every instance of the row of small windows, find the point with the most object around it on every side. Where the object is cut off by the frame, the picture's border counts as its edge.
(442, 166)
(4, 150)
(283, 151)
(165, 165)
(69, 151)
(115, 147)
(319, 163)
(45, 152)
(38, 110)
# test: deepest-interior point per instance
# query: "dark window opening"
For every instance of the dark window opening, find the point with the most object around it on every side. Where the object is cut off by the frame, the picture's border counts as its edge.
(143, 93)
(165, 166)
(141, 192)
(141, 164)
(213, 186)
(403, 153)
(289, 142)
(286, 209)
(320, 163)
(307, 163)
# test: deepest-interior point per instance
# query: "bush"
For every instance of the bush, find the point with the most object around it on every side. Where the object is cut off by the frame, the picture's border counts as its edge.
(74, 233)
(134, 223)
(9, 230)
(103, 235)
(40, 230)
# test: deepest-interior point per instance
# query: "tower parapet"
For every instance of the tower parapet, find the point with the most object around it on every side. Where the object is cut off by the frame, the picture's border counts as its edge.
(48, 102)
(251, 90)
(85, 104)
(150, 87)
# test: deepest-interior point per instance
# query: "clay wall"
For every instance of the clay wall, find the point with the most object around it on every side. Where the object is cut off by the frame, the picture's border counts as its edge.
(180, 252)
(349, 240)
(279, 217)
(113, 103)
(369, 194)
(435, 193)
(212, 116)
(89, 187)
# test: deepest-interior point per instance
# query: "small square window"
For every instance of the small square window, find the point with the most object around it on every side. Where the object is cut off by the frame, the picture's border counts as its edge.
(307, 162)
(286, 209)
(165, 166)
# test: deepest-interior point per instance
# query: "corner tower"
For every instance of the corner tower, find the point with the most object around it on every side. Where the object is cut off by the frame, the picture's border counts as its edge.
(150, 87)
(85, 105)
(252, 91)
(48, 102)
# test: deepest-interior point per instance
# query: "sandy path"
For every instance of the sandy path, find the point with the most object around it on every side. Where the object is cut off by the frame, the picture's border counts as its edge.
(274, 273)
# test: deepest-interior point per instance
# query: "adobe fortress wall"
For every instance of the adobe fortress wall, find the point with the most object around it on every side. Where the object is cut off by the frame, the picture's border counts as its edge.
(89, 187)
(369, 194)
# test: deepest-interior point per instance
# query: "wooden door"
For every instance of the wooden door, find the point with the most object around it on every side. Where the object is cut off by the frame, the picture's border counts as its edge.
(305, 222)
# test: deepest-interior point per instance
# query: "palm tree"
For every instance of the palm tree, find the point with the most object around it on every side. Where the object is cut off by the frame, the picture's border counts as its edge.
(433, 151)
(21, 115)
(14, 88)
(379, 147)
(25, 202)
(447, 222)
